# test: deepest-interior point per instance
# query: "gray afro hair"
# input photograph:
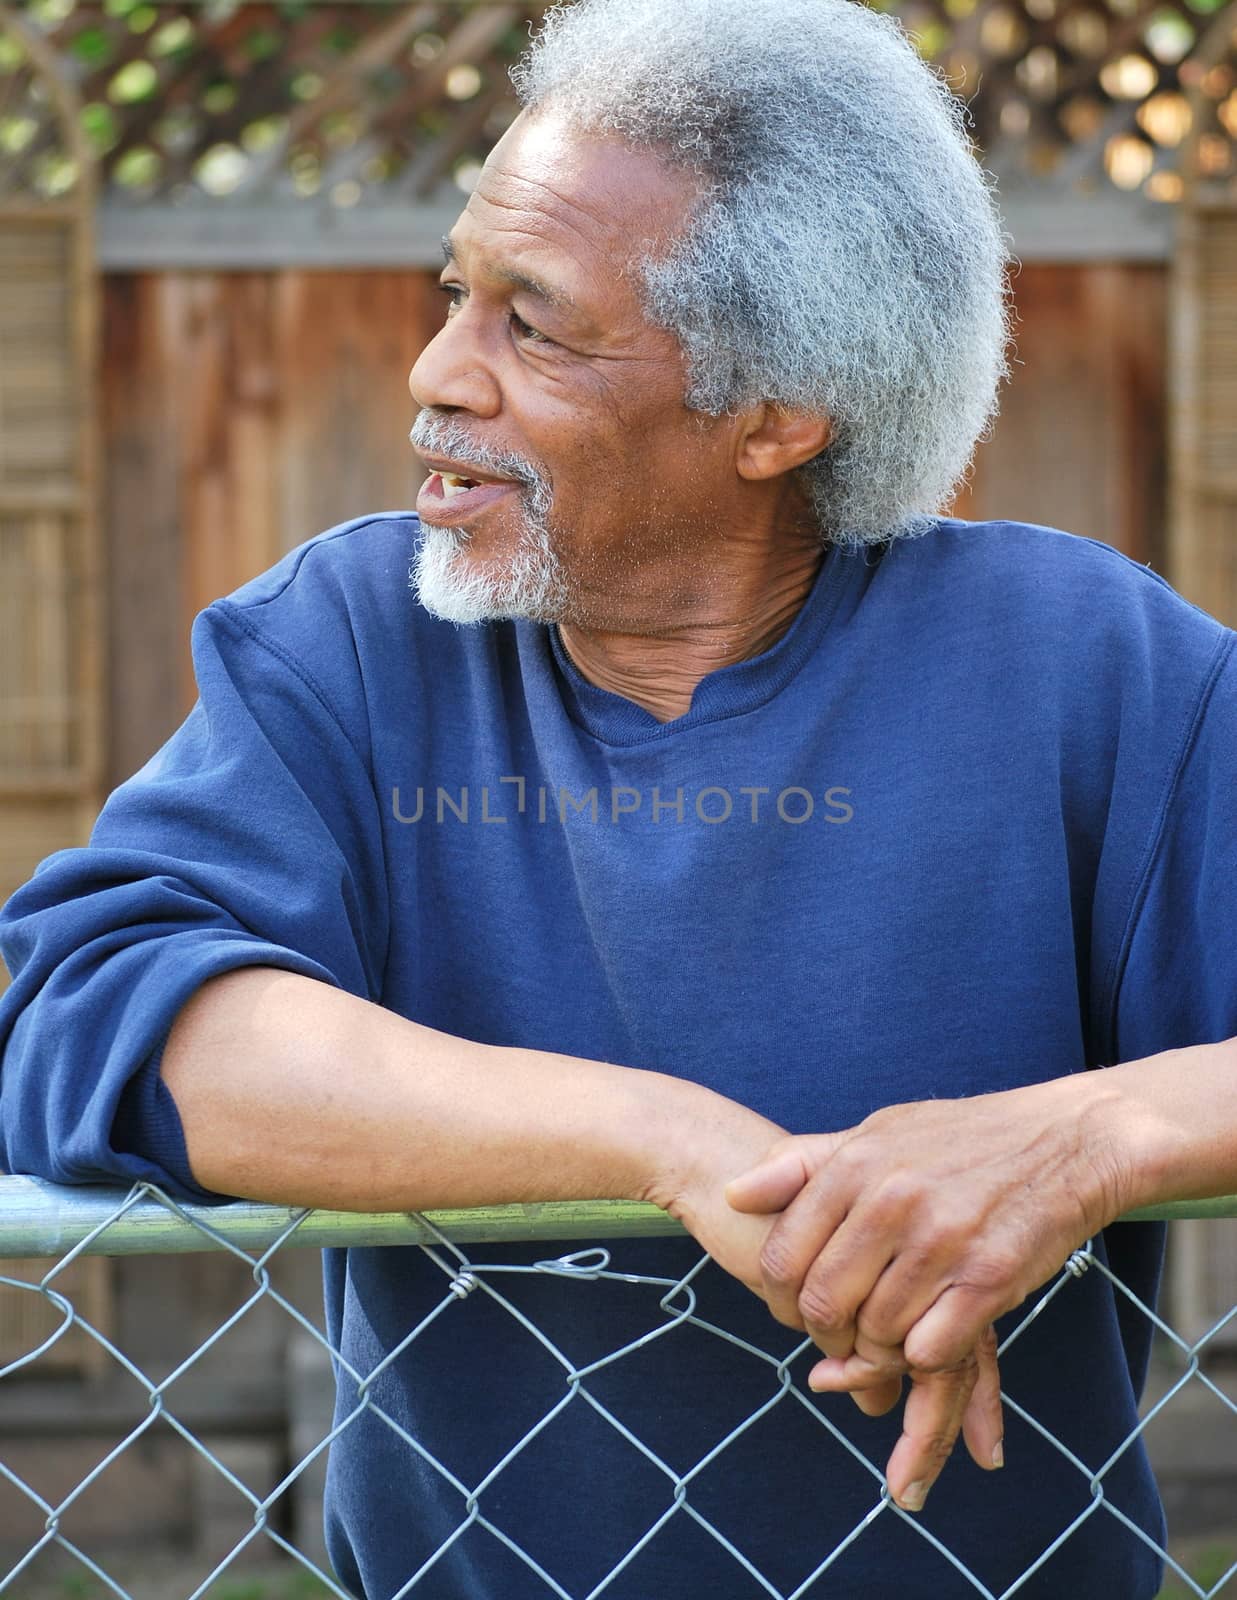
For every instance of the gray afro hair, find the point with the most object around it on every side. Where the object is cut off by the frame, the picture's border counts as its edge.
(846, 255)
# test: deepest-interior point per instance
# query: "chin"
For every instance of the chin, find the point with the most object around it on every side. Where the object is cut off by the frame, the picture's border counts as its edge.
(531, 584)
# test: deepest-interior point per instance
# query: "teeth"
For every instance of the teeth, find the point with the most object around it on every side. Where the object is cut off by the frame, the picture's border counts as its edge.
(453, 484)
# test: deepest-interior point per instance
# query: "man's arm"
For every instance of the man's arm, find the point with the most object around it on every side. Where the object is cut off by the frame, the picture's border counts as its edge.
(294, 1092)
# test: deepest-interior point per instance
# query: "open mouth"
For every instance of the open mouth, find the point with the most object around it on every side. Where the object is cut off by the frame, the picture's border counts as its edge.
(453, 484)
(445, 497)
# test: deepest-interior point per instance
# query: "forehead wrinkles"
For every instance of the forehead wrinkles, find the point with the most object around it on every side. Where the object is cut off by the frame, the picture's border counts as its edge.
(538, 196)
(550, 222)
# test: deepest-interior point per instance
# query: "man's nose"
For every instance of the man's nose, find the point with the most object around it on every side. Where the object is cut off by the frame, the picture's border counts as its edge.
(451, 373)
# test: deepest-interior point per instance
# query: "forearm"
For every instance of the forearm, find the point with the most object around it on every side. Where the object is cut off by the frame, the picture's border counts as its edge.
(1172, 1120)
(294, 1092)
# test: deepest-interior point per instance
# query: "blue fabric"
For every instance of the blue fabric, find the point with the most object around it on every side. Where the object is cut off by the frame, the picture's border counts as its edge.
(1017, 749)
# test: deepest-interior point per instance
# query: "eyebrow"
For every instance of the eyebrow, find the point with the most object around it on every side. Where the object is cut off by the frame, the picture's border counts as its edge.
(559, 299)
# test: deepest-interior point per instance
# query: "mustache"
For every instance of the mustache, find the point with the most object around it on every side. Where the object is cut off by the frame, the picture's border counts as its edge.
(445, 436)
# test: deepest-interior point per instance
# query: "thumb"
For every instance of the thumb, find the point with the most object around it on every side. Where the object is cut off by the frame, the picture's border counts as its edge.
(774, 1182)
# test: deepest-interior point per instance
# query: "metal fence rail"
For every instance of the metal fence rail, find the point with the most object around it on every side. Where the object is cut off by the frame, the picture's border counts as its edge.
(41, 1221)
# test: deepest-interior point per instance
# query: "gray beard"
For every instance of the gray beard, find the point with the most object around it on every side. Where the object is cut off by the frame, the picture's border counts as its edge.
(531, 583)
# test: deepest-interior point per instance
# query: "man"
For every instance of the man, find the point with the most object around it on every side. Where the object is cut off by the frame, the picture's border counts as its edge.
(775, 850)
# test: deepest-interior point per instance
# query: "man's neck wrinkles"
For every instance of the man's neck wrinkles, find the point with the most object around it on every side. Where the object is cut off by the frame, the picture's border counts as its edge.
(660, 668)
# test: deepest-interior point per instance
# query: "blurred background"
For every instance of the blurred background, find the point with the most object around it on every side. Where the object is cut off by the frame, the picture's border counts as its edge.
(219, 235)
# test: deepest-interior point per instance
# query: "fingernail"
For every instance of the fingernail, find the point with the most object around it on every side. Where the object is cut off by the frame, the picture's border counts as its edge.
(914, 1495)
(998, 1454)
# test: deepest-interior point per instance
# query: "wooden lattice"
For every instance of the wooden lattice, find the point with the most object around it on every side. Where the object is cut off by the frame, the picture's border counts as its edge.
(340, 99)
(1078, 95)
(356, 101)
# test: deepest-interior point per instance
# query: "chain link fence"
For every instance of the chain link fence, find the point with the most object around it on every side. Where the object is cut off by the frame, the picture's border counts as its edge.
(43, 1222)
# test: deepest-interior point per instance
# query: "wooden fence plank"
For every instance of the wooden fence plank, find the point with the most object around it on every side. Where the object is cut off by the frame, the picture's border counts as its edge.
(1080, 442)
(348, 342)
(143, 527)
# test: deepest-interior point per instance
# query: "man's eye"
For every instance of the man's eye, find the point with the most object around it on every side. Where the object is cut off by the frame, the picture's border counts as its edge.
(456, 293)
(527, 332)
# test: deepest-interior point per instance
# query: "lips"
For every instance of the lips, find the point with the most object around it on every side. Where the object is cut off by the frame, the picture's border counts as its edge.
(449, 497)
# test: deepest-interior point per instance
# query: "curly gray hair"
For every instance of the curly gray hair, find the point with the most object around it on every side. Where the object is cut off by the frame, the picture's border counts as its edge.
(846, 256)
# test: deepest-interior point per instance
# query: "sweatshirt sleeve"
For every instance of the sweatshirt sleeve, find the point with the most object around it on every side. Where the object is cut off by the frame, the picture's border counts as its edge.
(252, 838)
(1179, 984)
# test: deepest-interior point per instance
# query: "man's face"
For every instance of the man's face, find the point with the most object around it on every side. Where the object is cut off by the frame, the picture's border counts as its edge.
(600, 493)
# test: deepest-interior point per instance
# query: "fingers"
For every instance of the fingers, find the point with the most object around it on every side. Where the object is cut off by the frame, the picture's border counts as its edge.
(850, 1282)
(875, 1389)
(770, 1186)
(953, 1325)
(877, 1401)
(814, 1286)
(912, 1282)
(965, 1398)
(935, 1407)
(871, 1374)
(774, 1182)
(983, 1424)
(873, 1392)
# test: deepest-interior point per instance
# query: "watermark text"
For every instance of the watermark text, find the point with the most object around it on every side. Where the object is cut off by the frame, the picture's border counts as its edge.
(512, 798)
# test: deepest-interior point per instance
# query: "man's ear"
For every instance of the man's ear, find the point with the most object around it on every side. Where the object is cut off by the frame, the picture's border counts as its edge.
(774, 439)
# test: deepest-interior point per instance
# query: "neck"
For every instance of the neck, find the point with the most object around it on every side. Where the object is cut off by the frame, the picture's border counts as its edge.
(737, 616)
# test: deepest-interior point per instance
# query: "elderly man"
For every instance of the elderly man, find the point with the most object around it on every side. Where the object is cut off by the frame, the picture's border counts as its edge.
(773, 848)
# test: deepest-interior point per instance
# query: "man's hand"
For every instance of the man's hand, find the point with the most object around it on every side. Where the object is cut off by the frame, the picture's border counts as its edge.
(700, 1149)
(898, 1243)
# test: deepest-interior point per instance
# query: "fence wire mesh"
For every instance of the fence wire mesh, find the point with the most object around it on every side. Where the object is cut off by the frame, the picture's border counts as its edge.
(41, 1221)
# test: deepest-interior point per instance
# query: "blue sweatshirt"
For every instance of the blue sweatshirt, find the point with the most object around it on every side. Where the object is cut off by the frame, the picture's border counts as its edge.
(970, 823)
